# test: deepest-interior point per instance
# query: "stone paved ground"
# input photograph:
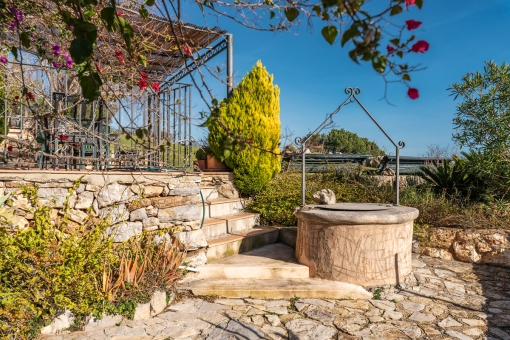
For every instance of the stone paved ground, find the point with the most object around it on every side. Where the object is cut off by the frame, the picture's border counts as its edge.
(445, 300)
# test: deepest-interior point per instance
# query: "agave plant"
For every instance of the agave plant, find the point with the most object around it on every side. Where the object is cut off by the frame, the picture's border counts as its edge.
(452, 176)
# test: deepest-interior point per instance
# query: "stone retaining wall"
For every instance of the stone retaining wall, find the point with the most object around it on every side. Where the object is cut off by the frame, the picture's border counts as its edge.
(488, 246)
(133, 202)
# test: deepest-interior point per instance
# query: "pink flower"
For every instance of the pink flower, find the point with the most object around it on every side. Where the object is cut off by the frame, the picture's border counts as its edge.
(187, 49)
(143, 74)
(119, 14)
(56, 50)
(13, 25)
(420, 46)
(412, 24)
(71, 28)
(121, 59)
(143, 84)
(155, 86)
(413, 93)
(390, 49)
(56, 64)
(410, 3)
(69, 62)
(65, 55)
(3, 60)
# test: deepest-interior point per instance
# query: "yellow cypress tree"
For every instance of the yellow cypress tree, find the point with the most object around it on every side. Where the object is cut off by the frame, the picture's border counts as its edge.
(252, 112)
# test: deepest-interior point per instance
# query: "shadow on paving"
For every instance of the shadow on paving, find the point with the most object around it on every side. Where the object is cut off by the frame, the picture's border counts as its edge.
(474, 298)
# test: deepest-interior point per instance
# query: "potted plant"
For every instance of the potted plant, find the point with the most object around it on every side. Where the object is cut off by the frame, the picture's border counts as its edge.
(214, 164)
(201, 159)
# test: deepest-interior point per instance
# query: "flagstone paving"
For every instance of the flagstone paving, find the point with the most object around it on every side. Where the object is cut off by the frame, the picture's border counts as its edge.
(442, 300)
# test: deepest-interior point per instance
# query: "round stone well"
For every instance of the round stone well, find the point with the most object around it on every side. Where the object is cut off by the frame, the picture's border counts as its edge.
(367, 244)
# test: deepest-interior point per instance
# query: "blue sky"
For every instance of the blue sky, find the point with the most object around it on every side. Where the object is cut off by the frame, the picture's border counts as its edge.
(312, 75)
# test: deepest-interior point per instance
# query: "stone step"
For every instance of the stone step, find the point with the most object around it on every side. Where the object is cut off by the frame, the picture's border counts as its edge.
(310, 288)
(273, 261)
(222, 226)
(240, 242)
(221, 207)
(209, 192)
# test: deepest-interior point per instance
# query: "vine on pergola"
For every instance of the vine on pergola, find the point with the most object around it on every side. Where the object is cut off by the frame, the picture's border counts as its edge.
(113, 46)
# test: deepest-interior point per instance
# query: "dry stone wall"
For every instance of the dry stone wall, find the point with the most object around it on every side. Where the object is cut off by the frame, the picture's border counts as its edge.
(488, 246)
(133, 202)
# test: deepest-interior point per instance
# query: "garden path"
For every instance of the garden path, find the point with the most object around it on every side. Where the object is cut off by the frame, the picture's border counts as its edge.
(446, 300)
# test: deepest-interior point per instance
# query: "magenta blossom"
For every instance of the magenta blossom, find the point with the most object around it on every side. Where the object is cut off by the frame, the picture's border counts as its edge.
(65, 55)
(69, 62)
(16, 13)
(56, 64)
(56, 50)
(3, 60)
(13, 25)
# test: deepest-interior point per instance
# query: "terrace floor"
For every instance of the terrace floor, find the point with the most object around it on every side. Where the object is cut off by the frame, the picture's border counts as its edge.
(446, 300)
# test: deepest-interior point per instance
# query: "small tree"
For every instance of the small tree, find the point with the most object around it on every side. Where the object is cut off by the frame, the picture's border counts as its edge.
(253, 113)
(482, 121)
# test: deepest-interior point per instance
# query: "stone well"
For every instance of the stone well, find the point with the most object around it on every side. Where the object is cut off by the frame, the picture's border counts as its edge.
(360, 243)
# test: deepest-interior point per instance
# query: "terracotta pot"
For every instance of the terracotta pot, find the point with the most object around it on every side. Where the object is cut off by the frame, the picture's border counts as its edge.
(201, 163)
(215, 164)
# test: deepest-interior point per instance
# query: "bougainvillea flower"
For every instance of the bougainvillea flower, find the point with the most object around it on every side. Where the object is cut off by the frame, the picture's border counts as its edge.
(118, 52)
(187, 49)
(71, 28)
(412, 24)
(9, 148)
(413, 93)
(65, 55)
(156, 86)
(390, 49)
(63, 137)
(410, 3)
(3, 60)
(69, 62)
(143, 75)
(56, 50)
(30, 95)
(143, 84)
(13, 25)
(119, 14)
(56, 64)
(420, 46)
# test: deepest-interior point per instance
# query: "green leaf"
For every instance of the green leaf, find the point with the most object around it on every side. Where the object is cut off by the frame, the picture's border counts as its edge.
(406, 77)
(395, 41)
(271, 15)
(139, 133)
(419, 3)
(396, 10)
(329, 33)
(90, 2)
(144, 13)
(400, 54)
(226, 153)
(25, 39)
(128, 136)
(350, 33)
(142, 60)
(89, 88)
(80, 50)
(354, 56)
(329, 3)
(108, 15)
(317, 9)
(14, 52)
(379, 63)
(149, 2)
(291, 13)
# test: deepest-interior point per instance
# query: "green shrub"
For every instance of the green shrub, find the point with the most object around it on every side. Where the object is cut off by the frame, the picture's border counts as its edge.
(278, 200)
(252, 114)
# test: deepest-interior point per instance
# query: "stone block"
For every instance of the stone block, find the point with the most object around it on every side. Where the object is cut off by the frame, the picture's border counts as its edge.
(115, 214)
(228, 190)
(147, 190)
(124, 231)
(150, 223)
(437, 253)
(138, 215)
(142, 311)
(324, 196)
(105, 321)
(188, 212)
(443, 237)
(185, 191)
(151, 211)
(158, 302)
(170, 201)
(166, 215)
(55, 197)
(61, 322)
(77, 216)
(192, 239)
(113, 193)
(195, 259)
(84, 200)
(139, 203)
(466, 252)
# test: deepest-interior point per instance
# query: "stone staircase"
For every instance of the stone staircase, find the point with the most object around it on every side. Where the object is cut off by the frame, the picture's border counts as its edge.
(228, 229)
(245, 260)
